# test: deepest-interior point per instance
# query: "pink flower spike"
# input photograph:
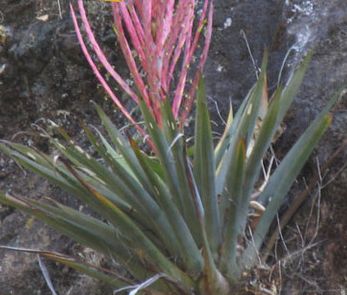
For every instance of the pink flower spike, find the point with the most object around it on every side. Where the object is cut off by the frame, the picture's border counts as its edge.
(150, 96)
(133, 31)
(99, 76)
(128, 54)
(159, 40)
(185, 67)
(171, 42)
(101, 56)
(189, 102)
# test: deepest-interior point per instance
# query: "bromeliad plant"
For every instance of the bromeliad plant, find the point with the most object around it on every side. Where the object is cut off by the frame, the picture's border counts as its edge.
(178, 221)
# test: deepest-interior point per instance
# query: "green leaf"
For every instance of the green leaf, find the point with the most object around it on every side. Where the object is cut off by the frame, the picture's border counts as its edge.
(172, 161)
(233, 216)
(178, 148)
(230, 129)
(292, 87)
(110, 278)
(223, 141)
(189, 252)
(57, 174)
(212, 279)
(254, 162)
(281, 181)
(126, 186)
(245, 128)
(248, 112)
(80, 227)
(204, 170)
(144, 203)
(123, 147)
(142, 245)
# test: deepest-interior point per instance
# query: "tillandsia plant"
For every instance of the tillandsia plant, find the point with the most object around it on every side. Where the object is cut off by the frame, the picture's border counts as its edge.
(177, 223)
(165, 46)
(178, 220)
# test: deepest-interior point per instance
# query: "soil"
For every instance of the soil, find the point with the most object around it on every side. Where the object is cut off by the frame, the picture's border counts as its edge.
(43, 75)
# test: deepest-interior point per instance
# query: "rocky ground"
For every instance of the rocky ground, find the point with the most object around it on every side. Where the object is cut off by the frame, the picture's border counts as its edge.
(43, 75)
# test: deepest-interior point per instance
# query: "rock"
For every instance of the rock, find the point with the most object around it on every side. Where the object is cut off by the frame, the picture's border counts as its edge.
(230, 72)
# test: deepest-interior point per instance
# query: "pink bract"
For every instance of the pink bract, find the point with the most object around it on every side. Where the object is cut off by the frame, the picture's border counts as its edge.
(168, 40)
